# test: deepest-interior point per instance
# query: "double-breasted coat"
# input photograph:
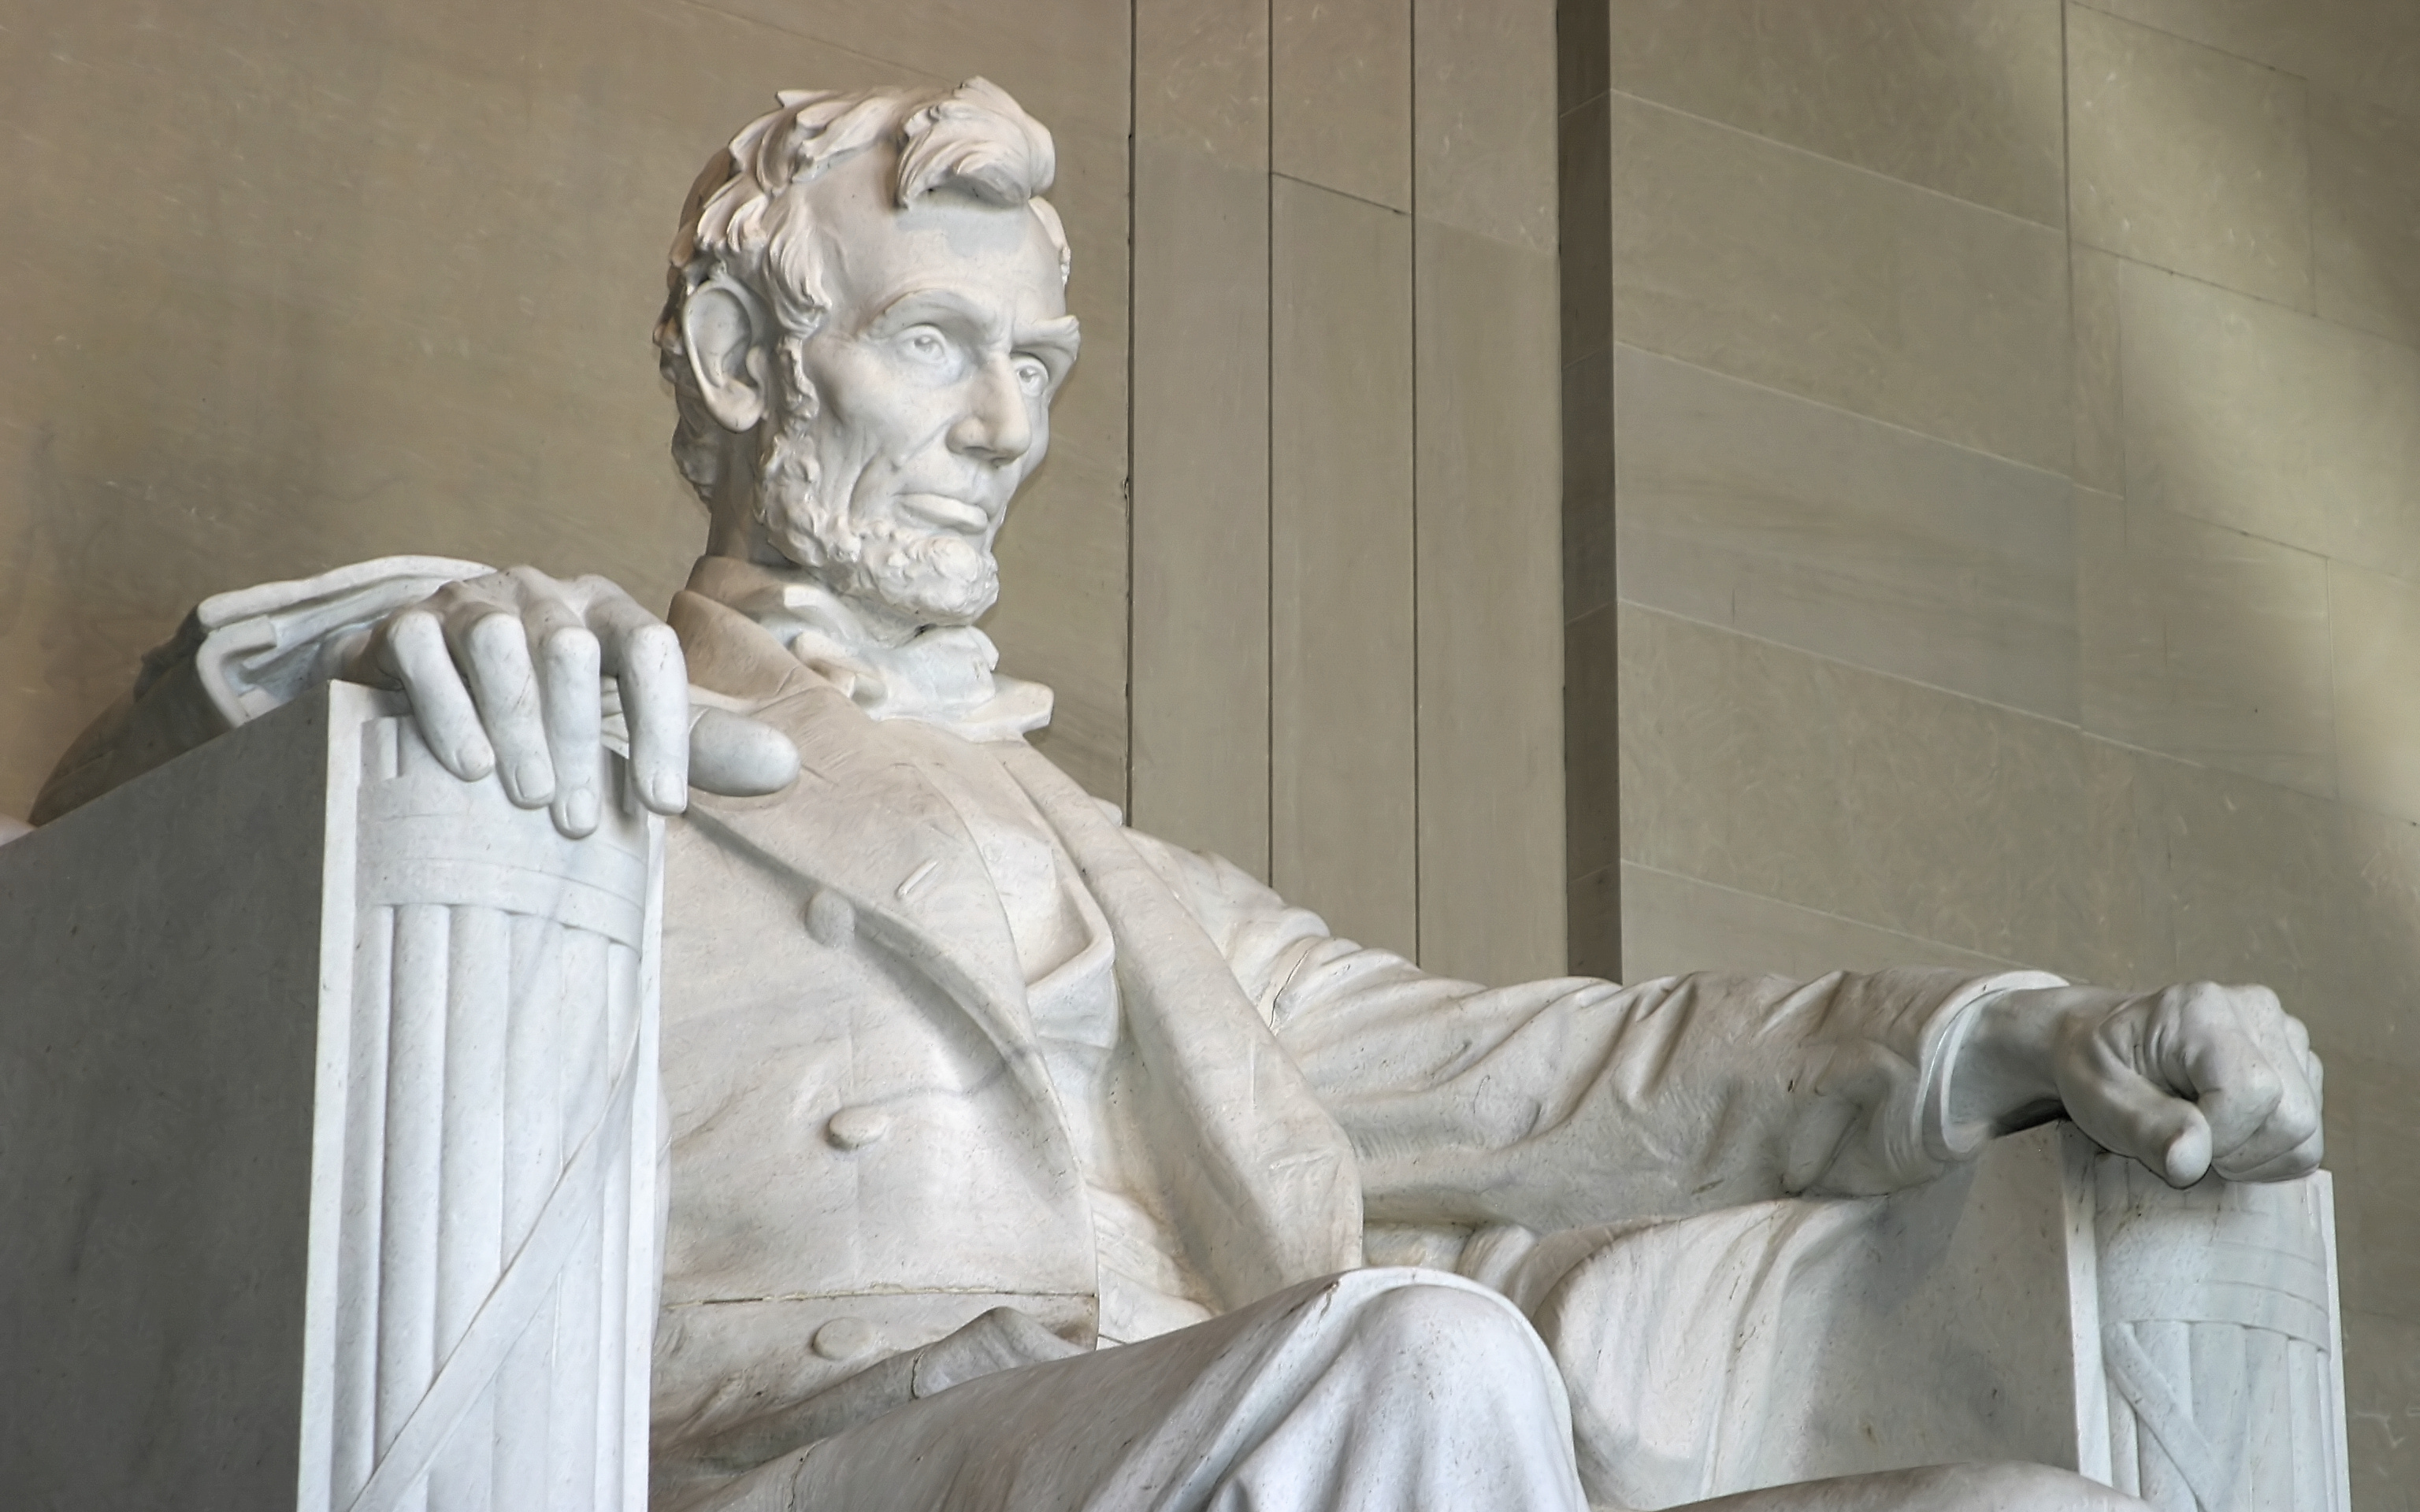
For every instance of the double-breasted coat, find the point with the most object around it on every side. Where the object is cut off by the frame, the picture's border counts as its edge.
(869, 1150)
(870, 1147)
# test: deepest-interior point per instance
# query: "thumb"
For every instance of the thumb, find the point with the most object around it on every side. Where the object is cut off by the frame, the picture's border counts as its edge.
(2185, 1159)
(2127, 1113)
(736, 757)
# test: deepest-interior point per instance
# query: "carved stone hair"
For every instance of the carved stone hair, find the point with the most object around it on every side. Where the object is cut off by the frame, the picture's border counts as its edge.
(749, 222)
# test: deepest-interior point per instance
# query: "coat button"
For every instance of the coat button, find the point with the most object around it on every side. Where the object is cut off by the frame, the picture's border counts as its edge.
(830, 920)
(845, 1339)
(856, 1128)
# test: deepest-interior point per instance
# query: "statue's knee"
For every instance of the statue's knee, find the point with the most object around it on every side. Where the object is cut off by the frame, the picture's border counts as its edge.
(2016, 1487)
(1450, 1332)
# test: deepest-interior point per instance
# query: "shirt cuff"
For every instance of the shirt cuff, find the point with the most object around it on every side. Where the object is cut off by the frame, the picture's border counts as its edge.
(1941, 1139)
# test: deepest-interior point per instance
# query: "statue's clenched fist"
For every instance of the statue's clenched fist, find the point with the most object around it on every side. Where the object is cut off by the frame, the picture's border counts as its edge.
(2188, 1079)
(505, 675)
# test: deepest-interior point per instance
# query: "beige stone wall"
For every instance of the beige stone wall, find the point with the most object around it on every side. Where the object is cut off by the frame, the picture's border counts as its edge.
(1347, 660)
(2011, 540)
(290, 283)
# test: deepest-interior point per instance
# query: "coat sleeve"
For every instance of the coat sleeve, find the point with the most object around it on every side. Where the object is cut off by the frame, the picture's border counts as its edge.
(1572, 1101)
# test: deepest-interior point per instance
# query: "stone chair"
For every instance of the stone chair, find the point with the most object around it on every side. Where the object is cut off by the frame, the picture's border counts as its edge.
(328, 1125)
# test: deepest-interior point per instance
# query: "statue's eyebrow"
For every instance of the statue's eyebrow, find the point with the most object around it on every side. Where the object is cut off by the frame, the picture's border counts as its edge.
(1054, 341)
(932, 306)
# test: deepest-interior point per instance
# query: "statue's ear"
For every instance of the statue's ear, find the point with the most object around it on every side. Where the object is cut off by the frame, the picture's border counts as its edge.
(724, 330)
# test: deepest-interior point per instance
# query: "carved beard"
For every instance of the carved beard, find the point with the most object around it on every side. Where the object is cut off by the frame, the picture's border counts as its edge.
(931, 577)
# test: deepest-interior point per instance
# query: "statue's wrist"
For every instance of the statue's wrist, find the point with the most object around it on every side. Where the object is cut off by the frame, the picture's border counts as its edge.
(2006, 1078)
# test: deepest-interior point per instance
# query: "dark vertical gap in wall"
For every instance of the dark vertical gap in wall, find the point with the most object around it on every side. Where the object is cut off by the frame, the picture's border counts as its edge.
(1412, 200)
(1592, 745)
(1134, 102)
(2067, 228)
(1270, 425)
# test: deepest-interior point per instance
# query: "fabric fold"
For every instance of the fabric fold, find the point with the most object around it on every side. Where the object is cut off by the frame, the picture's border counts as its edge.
(1271, 1196)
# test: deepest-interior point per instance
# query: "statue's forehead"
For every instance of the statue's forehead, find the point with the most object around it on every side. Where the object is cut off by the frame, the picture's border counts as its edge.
(999, 255)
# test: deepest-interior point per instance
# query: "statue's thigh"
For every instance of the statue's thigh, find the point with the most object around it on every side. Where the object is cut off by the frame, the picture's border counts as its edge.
(1327, 1383)
(1677, 1340)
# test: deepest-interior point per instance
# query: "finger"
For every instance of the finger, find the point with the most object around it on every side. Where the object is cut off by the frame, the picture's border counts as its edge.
(2291, 1124)
(564, 659)
(570, 695)
(494, 655)
(2294, 1049)
(410, 647)
(2208, 1048)
(643, 653)
(2300, 1160)
(2276, 1141)
(2297, 1052)
(2297, 1033)
(354, 657)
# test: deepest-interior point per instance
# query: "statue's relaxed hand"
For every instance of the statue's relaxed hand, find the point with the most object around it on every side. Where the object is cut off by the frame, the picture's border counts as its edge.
(504, 674)
(2187, 1079)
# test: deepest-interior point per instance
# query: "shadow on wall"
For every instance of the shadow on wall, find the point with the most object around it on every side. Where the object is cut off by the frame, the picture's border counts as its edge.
(2271, 419)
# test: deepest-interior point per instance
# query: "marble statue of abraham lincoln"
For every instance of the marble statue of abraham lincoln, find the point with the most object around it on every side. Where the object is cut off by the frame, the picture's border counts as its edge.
(1019, 1159)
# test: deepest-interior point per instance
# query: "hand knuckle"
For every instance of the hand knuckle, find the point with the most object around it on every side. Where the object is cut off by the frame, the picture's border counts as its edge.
(493, 629)
(2189, 1001)
(2199, 1006)
(418, 623)
(655, 642)
(570, 644)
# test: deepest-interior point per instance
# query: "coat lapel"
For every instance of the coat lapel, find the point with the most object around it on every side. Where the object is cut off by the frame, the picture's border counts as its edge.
(859, 824)
(1266, 1186)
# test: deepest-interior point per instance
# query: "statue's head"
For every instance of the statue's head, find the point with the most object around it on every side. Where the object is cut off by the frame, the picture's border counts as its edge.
(866, 325)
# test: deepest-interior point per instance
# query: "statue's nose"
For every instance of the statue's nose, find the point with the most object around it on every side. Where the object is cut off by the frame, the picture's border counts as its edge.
(996, 427)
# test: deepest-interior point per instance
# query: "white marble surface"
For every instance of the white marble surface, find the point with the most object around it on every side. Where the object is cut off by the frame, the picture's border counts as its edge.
(2221, 1341)
(338, 1143)
(157, 1085)
(2058, 1304)
(962, 1076)
(485, 1214)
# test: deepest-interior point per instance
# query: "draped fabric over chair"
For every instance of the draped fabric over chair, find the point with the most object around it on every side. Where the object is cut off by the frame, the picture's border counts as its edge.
(495, 1268)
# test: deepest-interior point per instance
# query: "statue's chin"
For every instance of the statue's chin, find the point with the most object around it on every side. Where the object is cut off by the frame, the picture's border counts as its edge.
(928, 579)
(930, 611)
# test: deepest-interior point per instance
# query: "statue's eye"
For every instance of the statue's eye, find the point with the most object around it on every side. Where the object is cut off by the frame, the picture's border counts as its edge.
(926, 343)
(1032, 376)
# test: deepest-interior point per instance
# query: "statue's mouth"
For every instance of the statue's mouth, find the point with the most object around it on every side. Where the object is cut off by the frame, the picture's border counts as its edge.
(945, 513)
